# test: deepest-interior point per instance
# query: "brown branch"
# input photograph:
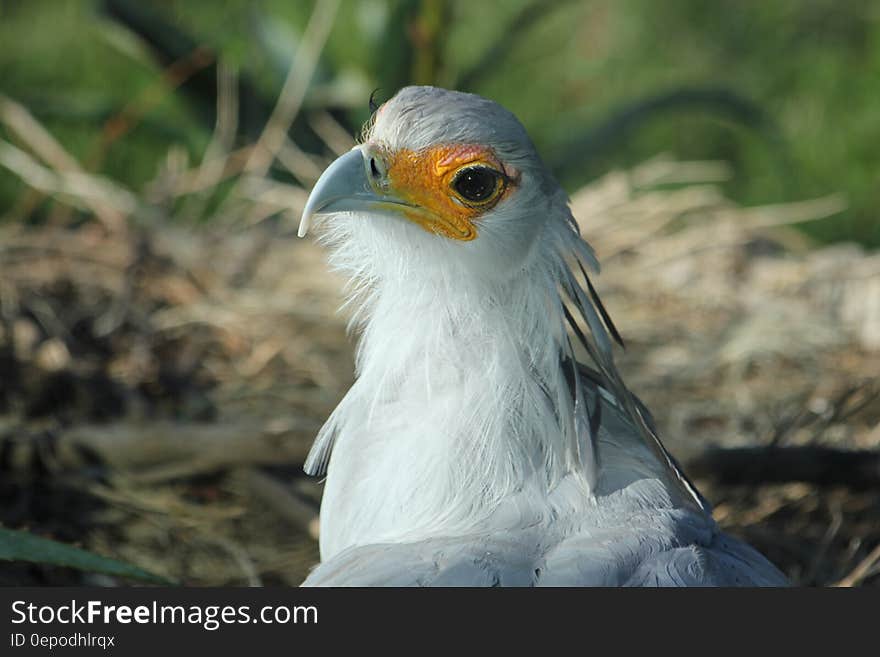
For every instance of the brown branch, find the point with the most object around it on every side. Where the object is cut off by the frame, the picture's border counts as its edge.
(163, 451)
(863, 570)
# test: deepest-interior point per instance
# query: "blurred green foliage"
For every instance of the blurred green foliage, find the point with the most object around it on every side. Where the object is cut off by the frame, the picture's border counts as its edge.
(564, 67)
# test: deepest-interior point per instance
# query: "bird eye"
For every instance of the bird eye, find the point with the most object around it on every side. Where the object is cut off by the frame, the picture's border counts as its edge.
(478, 184)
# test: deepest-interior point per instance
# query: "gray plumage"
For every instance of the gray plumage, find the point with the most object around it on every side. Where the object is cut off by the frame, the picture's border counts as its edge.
(639, 537)
(473, 449)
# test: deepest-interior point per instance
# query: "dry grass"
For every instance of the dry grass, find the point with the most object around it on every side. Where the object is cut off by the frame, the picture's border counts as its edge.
(163, 379)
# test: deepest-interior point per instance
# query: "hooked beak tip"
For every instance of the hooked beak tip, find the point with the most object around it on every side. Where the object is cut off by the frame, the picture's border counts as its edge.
(342, 181)
(305, 223)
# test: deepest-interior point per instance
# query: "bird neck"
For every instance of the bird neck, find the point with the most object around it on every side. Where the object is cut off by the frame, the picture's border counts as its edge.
(452, 410)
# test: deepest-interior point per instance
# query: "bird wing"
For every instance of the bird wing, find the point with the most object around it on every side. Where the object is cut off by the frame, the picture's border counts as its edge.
(687, 552)
(462, 561)
(728, 562)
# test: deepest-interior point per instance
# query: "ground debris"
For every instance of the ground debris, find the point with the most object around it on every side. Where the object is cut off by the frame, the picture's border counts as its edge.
(162, 384)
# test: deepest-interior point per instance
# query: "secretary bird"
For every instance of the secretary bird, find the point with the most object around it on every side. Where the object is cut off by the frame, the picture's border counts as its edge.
(473, 448)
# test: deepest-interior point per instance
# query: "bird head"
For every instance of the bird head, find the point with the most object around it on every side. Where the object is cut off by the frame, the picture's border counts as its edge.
(442, 177)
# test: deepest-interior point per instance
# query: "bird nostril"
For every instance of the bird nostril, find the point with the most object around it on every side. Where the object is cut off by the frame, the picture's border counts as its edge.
(373, 168)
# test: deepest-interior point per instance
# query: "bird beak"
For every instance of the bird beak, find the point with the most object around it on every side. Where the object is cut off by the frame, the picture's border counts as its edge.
(352, 183)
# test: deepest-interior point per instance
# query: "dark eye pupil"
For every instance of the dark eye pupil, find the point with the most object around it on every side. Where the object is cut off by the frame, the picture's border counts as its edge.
(476, 183)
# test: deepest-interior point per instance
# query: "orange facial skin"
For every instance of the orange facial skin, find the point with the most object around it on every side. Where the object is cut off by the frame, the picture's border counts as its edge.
(423, 179)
